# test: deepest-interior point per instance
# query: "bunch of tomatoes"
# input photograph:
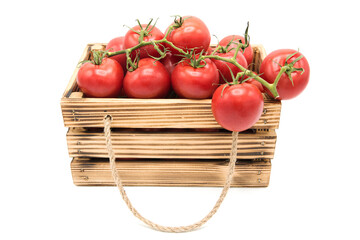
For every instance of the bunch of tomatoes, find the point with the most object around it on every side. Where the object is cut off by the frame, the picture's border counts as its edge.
(147, 63)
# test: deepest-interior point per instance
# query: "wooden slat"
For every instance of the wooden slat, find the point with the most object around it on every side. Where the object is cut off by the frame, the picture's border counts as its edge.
(170, 144)
(96, 172)
(157, 113)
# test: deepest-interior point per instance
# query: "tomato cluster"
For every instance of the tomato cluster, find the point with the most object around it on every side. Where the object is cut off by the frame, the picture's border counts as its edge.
(147, 63)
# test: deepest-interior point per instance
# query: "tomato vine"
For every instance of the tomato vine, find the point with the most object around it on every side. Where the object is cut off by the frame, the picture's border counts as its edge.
(288, 68)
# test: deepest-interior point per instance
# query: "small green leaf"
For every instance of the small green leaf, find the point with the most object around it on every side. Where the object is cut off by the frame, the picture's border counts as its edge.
(290, 77)
(290, 56)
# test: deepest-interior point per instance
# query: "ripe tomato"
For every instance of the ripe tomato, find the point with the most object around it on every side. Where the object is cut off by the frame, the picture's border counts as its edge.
(104, 80)
(149, 80)
(115, 45)
(248, 52)
(270, 69)
(132, 39)
(192, 33)
(225, 67)
(237, 107)
(195, 83)
(170, 61)
(256, 84)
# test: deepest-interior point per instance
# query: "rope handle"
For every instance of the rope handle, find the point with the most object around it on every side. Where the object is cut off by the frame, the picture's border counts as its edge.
(230, 172)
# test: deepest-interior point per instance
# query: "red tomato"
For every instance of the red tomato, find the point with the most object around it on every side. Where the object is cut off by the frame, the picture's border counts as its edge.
(248, 52)
(285, 88)
(237, 107)
(192, 34)
(115, 45)
(195, 83)
(104, 80)
(170, 61)
(225, 67)
(256, 84)
(132, 39)
(149, 80)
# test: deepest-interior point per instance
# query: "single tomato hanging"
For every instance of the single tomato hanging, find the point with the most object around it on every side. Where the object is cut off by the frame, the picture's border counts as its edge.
(101, 77)
(149, 80)
(195, 80)
(237, 107)
(294, 80)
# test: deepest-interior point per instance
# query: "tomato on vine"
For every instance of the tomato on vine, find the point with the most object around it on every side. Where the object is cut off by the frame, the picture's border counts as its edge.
(189, 33)
(226, 68)
(117, 44)
(195, 79)
(149, 80)
(232, 41)
(146, 33)
(237, 107)
(101, 77)
(289, 69)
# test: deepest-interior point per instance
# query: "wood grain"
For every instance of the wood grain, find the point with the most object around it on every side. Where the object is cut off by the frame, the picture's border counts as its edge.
(167, 144)
(206, 173)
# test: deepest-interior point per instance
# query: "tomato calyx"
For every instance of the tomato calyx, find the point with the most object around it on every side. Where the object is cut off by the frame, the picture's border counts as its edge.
(289, 68)
(178, 21)
(239, 43)
(195, 60)
(97, 57)
(144, 32)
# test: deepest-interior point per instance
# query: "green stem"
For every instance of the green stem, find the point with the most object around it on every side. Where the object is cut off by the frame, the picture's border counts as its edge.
(270, 87)
(143, 43)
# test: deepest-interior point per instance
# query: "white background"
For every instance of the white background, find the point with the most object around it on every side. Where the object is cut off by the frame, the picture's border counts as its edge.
(314, 187)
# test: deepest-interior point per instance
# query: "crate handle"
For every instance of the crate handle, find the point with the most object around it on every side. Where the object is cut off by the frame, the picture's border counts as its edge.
(230, 172)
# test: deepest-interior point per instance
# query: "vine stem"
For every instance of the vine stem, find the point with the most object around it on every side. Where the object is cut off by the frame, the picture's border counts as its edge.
(270, 86)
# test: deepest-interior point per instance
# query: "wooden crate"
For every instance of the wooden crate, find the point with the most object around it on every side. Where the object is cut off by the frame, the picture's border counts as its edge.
(164, 142)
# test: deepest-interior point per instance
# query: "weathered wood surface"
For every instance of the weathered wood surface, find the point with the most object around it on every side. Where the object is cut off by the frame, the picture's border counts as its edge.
(170, 144)
(96, 172)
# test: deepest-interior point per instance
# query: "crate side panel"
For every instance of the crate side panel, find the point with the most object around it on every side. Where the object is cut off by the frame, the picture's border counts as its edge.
(170, 145)
(155, 113)
(95, 172)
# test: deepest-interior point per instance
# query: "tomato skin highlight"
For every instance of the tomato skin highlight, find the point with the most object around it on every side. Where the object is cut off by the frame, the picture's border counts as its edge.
(248, 52)
(270, 69)
(237, 107)
(132, 39)
(193, 34)
(117, 44)
(195, 83)
(225, 67)
(149, 80)
(104, 80)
